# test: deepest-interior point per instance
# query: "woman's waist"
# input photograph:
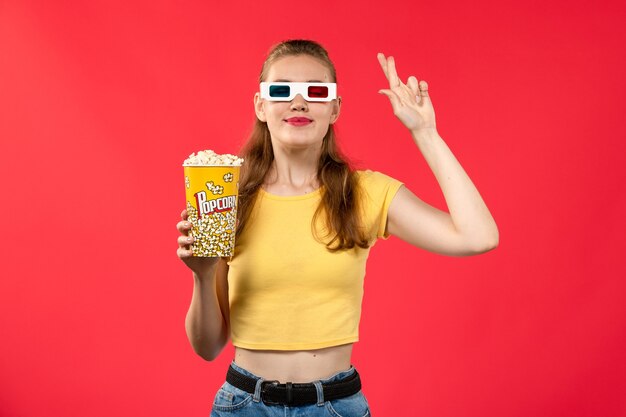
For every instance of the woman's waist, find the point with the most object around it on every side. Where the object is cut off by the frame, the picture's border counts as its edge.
(295, 366)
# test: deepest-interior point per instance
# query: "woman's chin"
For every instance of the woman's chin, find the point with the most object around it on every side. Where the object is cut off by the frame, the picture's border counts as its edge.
(300, 143)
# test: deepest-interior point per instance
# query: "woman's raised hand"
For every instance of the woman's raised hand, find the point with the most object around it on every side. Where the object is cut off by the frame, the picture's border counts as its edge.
(411, 102)
(201, 266)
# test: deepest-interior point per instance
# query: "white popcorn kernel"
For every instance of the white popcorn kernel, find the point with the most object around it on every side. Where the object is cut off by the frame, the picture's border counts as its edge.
(208, 157)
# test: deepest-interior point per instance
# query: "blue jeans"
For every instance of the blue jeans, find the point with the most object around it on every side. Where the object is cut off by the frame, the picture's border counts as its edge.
(231, 401)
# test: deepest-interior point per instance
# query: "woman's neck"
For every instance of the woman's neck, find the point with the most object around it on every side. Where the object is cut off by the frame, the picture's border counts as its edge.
(293, 172)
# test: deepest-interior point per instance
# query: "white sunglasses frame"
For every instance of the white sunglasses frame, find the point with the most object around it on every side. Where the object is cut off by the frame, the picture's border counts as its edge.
(299, 88)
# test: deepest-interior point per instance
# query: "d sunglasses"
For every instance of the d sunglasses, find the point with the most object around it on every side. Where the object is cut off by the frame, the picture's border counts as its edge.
(278, 91)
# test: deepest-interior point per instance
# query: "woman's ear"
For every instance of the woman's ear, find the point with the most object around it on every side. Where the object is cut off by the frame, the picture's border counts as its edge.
(259, 108)
(336, 110)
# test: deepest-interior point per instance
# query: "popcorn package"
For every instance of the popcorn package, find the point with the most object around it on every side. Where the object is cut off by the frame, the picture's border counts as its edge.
(211, 186)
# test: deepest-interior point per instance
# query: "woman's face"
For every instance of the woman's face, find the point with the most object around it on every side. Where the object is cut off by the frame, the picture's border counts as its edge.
(300, 68)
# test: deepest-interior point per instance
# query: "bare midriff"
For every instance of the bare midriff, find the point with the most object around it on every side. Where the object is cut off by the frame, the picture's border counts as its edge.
(295, 366)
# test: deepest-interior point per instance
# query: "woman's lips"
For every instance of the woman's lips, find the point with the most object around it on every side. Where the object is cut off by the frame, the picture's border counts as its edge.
(298, 121)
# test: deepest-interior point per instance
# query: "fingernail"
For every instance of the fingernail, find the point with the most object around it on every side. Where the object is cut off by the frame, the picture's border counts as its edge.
(189, 239)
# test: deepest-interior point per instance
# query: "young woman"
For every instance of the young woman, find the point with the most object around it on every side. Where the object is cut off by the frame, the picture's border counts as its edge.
(290, 297)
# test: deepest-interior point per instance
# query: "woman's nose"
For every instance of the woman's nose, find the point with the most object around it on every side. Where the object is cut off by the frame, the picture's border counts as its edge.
(298, 103)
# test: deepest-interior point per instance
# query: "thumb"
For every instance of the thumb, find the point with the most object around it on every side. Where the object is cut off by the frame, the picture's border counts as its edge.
(393, 97)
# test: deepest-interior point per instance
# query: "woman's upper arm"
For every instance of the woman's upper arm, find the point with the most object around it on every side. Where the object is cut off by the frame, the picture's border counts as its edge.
(423, 225)
(222, 291)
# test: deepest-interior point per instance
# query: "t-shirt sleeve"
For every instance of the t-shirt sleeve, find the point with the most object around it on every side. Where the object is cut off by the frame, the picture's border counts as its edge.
(378, 192)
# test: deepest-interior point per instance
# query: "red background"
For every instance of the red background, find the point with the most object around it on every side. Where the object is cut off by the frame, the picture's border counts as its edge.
(101, 101)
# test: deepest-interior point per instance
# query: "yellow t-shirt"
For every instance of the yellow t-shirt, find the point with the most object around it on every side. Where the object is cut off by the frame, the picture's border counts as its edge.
(286, 290)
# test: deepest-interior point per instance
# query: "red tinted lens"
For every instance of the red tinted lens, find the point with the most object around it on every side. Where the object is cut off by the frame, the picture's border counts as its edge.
(318, 92)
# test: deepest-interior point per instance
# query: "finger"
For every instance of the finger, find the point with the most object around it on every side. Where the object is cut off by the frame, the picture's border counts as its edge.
(185, 241)
(412, 83)
(184, 253)
(383, 63)
(423, 87)
(393, 97)
(394, 81)
(183, 214)
(183, 227)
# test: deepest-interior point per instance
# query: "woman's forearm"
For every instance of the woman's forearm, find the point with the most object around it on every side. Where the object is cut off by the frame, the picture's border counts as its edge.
(469, 213)
(205, 324)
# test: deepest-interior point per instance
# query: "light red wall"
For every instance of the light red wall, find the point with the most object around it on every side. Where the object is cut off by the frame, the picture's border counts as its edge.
(100, 101)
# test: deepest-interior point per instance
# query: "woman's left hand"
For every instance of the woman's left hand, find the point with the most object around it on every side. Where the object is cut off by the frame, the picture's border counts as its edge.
(411, 102)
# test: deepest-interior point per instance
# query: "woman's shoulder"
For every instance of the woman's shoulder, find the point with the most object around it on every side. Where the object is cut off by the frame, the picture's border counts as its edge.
(377, 185)
(377, 191)
(368, 177)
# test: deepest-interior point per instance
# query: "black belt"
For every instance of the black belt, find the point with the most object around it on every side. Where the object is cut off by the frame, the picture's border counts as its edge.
(273, 393)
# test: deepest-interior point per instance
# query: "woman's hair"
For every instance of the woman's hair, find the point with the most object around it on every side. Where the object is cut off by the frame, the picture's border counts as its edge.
(340, 192)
